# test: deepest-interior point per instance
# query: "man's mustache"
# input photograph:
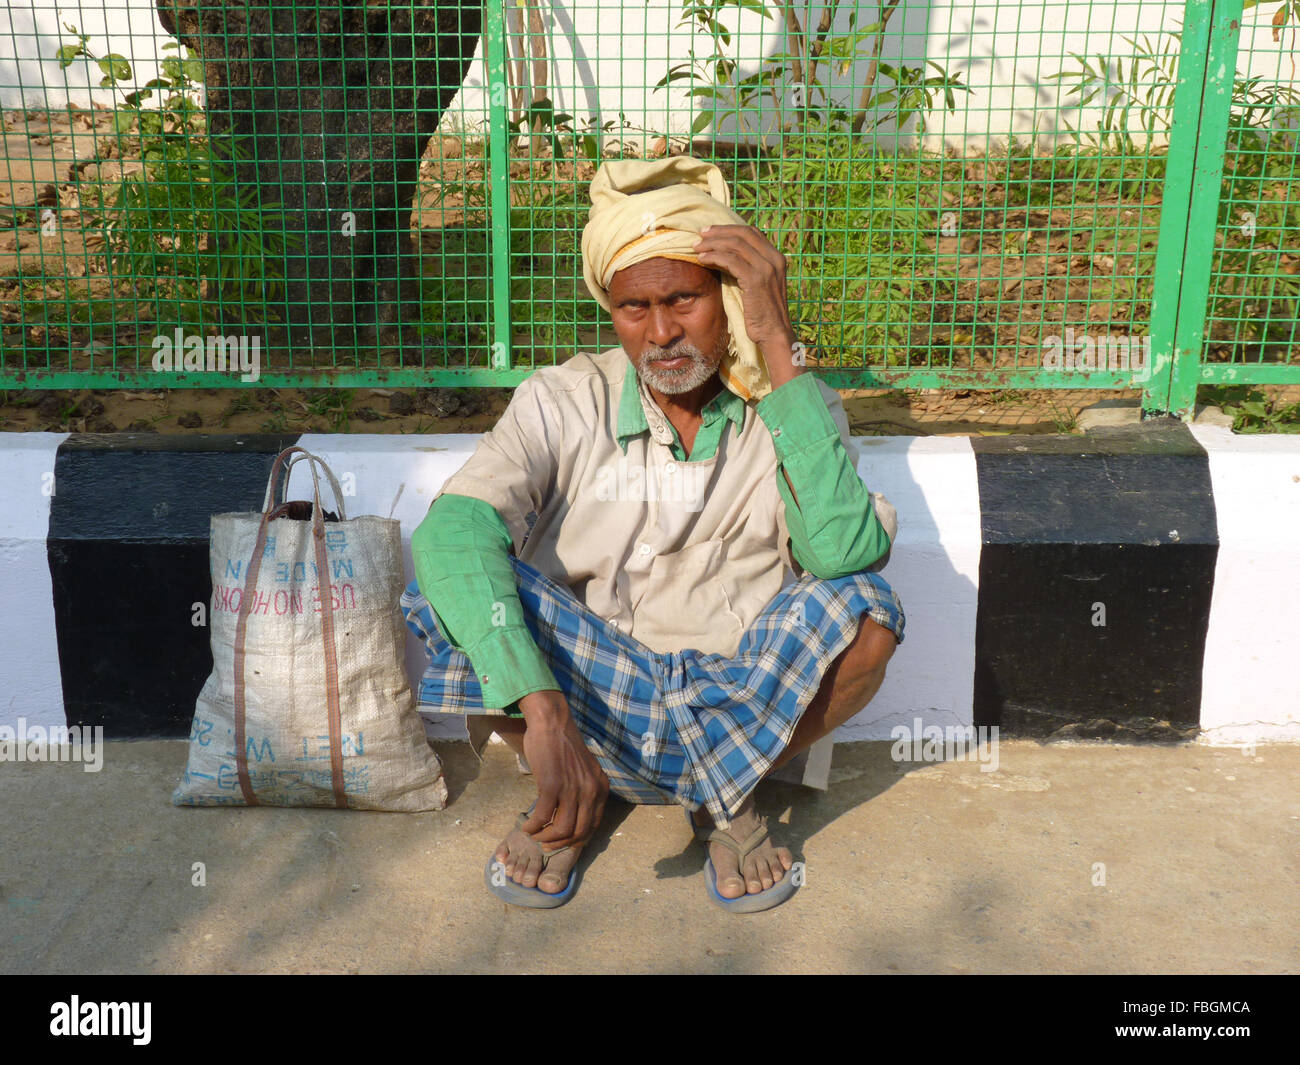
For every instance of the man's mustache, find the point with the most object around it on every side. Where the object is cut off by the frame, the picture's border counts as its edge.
(684, 353)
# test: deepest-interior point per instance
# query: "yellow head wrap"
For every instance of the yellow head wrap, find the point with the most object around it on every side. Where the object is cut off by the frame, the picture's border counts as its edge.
(651, 209)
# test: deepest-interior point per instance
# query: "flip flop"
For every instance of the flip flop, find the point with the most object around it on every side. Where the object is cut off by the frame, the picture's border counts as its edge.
(500, 884)
(764, 900)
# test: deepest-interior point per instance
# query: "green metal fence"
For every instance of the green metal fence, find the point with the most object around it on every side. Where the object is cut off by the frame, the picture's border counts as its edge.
(956, 210)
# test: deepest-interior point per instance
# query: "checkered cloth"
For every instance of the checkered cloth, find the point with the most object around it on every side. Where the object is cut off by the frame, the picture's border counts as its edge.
(683, 727)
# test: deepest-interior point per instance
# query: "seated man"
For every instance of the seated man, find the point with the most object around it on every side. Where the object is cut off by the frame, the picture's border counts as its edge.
(655, 569)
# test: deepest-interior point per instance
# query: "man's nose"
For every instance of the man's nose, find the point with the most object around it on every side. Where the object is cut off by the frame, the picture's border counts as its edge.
(663, 328)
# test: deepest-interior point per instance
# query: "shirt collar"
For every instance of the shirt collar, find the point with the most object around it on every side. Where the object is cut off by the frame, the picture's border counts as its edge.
(638, 412)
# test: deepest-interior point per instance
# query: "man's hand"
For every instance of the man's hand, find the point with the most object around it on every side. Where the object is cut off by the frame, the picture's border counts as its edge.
(571, 786)
(759, 269)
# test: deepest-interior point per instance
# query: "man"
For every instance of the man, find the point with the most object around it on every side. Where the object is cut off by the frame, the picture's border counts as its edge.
(649, 635)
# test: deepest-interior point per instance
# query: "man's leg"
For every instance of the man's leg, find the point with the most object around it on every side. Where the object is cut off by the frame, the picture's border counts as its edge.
(848, 685)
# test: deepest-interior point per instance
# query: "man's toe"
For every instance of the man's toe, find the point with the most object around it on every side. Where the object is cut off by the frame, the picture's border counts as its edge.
(526, 870)
(730, 883)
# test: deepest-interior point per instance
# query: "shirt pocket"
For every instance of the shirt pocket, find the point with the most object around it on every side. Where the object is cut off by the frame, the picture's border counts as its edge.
(685, 603)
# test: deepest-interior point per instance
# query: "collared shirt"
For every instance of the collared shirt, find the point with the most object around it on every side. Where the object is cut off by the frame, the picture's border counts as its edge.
(639, 413)
(586, 479)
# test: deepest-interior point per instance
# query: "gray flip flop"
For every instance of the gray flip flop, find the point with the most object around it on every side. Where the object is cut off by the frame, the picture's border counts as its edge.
(764, 900)
(499, 883)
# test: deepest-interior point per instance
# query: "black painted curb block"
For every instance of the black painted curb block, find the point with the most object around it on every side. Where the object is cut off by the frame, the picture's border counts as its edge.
(128, 554)
(1096, 573)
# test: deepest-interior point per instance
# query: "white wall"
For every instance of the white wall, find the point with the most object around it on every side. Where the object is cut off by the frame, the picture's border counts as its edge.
(31, 685)
(32, 31)
(1003, 50)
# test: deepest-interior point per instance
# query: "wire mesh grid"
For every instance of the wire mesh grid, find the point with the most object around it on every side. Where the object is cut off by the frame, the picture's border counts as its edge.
(1027, 194)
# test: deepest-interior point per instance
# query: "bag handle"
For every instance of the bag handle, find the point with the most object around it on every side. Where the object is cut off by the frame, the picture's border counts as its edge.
(324, 589)
(289, 456)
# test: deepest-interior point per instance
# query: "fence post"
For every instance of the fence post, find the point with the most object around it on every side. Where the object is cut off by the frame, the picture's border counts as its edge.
(1207, 67)
(498, 166)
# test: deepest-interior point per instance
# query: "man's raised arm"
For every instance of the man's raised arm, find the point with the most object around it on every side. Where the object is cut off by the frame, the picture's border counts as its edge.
(834, 529)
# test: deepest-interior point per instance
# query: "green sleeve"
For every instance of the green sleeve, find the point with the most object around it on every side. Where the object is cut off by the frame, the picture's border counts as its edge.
(461, 553)
(834, 530)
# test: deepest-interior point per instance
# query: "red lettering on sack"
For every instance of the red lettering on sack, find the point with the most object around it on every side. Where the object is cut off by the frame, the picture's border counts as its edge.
(226, 599)
(342, 597)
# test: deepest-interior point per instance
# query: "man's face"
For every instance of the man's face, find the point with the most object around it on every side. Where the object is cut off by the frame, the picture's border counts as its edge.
(669, 317)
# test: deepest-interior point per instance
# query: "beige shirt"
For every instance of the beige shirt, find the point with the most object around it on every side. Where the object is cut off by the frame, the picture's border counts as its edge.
(676, 554)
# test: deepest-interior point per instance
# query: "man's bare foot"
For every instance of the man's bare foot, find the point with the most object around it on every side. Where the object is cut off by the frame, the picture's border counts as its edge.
(522, 859)
(764, 866)
(520, 855)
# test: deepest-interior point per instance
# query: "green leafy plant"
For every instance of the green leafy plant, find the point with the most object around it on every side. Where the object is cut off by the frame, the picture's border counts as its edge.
(335, 406)
(180, 229)
(801, 78)
(1063, 421)
(850, 221)
(1252, 411)
(558, 129)
(845, 214)
(1258, 213)
(242, 403)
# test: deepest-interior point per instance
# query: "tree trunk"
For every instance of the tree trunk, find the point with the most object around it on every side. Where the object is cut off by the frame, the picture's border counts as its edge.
(335, 104)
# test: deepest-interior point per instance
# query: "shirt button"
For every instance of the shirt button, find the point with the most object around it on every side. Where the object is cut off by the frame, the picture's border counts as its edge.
(486, 679)
(645, 549)
(776, 431)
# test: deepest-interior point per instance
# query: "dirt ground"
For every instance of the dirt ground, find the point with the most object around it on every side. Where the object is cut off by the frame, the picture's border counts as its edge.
(433, 410)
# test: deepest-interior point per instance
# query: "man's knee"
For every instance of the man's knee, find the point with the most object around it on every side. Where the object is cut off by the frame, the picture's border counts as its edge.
(872, 647)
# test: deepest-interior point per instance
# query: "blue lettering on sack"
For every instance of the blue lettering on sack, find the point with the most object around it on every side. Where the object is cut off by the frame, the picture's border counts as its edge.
(317, 748)
(298, 572)
(251, 750)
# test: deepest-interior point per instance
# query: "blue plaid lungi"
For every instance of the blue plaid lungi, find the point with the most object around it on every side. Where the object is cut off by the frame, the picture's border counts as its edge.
(686, 727)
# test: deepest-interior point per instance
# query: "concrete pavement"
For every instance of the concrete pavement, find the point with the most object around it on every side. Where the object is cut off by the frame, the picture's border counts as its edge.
(1067, 858)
